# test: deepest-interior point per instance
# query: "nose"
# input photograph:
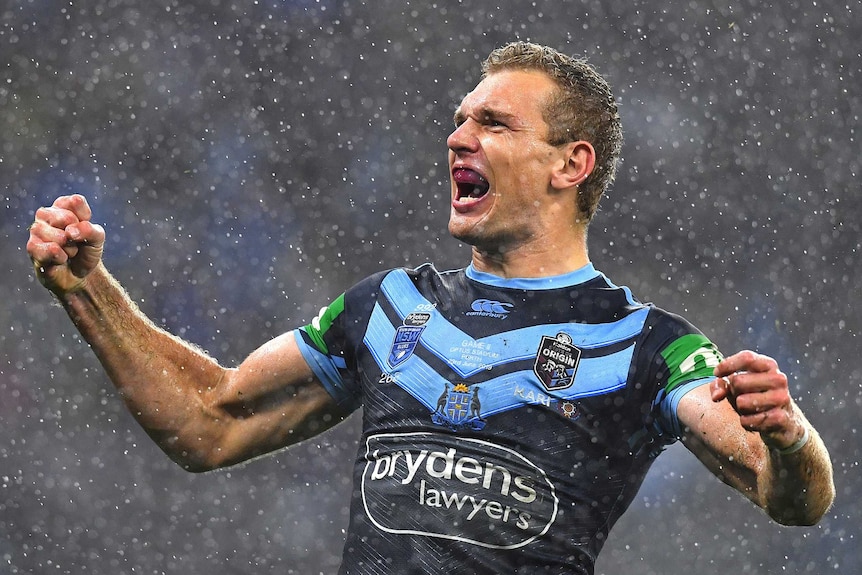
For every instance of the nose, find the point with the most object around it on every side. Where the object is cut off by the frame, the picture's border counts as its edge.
(463, 138)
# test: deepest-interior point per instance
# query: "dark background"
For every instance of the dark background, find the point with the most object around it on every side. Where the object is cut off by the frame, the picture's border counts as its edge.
(252, 159)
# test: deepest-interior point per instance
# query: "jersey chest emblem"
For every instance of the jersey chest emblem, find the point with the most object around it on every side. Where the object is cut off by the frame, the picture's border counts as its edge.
(458, 408)
(556, 362)
(407, 337)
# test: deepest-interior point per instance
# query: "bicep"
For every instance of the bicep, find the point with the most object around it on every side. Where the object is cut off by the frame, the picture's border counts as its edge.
(270, 401)
(712, 432)
(273, 367)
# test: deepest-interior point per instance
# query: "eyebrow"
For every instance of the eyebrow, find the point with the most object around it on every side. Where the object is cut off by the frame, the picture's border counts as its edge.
(484, 112)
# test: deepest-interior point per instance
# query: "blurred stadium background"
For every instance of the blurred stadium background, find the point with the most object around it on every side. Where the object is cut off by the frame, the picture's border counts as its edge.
(252, 159)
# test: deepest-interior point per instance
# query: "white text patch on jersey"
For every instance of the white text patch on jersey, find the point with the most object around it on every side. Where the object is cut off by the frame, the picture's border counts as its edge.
(449, 487)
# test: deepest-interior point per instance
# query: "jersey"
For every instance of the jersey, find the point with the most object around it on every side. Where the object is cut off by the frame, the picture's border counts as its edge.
(507, 424)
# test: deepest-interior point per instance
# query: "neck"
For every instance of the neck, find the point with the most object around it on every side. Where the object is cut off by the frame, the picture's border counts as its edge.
(536, 259)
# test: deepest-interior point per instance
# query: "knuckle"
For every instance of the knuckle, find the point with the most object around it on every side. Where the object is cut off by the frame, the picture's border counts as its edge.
(748, 356)
(33, 248)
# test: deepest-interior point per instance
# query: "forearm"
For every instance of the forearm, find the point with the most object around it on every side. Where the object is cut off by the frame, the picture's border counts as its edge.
(793, 488)
(162, 379)
(797, 488)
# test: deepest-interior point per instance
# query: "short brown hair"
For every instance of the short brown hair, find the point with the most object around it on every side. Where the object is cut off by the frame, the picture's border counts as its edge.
(583, 109)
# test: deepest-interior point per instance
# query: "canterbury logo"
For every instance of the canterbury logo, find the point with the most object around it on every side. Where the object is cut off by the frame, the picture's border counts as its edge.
(490, 308)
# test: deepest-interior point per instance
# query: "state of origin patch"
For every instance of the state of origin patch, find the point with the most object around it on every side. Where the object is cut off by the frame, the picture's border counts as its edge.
(557, 361)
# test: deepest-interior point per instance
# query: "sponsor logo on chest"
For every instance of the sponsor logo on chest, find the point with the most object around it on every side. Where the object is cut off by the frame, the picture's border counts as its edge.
(463, 489)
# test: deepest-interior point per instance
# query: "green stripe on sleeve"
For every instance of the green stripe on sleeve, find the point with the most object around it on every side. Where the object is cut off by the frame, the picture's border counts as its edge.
(688, 358)
(321, 324)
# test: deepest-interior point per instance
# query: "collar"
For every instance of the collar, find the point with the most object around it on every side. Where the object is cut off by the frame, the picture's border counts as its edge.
(576, 277)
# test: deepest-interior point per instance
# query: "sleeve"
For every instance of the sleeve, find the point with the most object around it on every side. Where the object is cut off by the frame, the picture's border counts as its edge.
(330, 343)
(676, 358)
(689, 362)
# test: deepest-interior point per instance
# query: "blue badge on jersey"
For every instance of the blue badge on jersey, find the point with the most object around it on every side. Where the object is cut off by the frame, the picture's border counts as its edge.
(407, 337)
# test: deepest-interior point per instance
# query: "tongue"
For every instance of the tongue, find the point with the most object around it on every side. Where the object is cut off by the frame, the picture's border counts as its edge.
(467, 176)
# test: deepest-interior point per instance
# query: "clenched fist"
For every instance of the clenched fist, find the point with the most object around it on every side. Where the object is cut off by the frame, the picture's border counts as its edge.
(64, 244)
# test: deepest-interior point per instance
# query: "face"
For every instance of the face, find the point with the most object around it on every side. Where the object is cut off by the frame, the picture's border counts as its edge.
(501, 163)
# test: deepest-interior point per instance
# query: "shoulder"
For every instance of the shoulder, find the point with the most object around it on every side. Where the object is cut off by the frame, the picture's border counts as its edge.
(669, 334)
(372, 284)
(424, 278)
(429, 271)
(391, 282)
(425, 270)
(667, 325)
(679, 351)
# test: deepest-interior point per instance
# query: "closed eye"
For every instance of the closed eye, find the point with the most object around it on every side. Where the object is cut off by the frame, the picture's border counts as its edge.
(490, 118)
(497, 120)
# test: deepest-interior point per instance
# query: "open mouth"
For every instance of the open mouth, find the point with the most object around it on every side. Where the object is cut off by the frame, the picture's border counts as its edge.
(471, 185)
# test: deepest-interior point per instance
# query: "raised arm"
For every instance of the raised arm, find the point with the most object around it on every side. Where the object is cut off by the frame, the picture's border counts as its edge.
(747, 430)
(201, 414)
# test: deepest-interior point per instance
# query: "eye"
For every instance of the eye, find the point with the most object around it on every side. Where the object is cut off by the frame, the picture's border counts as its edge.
(492, 122)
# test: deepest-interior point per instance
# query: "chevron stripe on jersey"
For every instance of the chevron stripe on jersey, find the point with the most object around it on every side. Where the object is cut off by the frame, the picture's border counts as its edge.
(509, 353)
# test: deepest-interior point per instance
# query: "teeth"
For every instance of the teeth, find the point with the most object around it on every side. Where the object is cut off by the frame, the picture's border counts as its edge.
(471, 192)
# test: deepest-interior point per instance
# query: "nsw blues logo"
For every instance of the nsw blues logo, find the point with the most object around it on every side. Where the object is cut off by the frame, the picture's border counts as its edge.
(458, 408)
(557, 361)
(406, 337)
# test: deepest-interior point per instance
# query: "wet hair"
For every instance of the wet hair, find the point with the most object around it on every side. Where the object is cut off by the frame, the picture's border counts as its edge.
(583, 109)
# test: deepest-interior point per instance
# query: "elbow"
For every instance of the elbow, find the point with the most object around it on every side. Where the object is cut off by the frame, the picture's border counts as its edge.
(206, 459)
(194, 457)
(191, 462)
(194, 466)
(806, 511)
(197, 462)
(805, 518)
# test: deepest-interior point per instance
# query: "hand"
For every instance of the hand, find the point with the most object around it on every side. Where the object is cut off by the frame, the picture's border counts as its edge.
(64, 245)
(758, 392)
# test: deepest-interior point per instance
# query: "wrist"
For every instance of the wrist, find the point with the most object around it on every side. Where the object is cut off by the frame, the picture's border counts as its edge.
(87, 298)
(81, 285)
(795, 446)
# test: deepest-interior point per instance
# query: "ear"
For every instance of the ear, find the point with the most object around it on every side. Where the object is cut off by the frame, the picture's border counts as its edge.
(578, 162)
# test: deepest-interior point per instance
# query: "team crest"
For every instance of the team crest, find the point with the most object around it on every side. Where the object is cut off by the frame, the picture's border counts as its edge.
(556, 361)
(406, 337)
(459, 408)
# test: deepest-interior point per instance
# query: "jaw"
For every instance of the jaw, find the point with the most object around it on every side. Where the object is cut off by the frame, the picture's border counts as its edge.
(515, 228)
(466, 223)
(474, 224)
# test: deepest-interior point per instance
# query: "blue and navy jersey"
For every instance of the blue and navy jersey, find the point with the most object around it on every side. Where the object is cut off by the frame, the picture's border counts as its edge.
(506, 423)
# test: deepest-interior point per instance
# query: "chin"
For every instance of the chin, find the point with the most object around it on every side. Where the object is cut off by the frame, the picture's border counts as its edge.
(460, 234)
(464, 229)
(475, 238)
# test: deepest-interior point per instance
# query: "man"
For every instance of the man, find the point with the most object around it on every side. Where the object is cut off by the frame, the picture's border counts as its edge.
(512, 408)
